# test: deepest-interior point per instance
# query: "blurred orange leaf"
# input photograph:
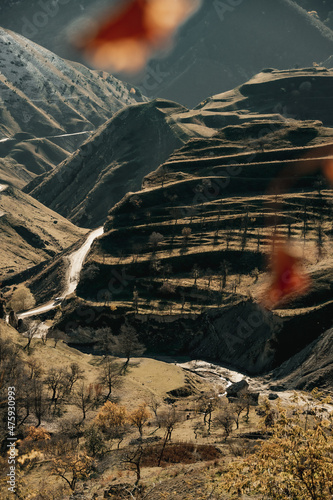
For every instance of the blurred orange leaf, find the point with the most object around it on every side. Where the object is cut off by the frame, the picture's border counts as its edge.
(328, 170)
(125, 37)
(287, 278)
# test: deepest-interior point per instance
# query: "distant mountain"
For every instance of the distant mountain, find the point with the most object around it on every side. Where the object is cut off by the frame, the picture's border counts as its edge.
(87, 184)
(222, 45)
(42, 96)
(30, 232)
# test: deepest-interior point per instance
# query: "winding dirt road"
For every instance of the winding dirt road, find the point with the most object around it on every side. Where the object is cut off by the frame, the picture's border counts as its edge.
(76, 261)
(3, 187)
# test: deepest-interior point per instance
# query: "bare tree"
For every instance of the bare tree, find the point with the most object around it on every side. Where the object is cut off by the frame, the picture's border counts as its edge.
(226, 420)
(175, 214)
(228, 237)
(35, 367)
(127, 344)
(110, 374)
(154, 404)
(57, 335)
(134, 457)
(57, 384)
(39, 401)
(195, 273)
(30, 334)
(186, 233)
(74, 374)
(135, 300)
(241, 404)
(208, 404)
(224, 270)
(209, 274)
(168, 420)
(103, 338)
(163, 174)
(85, 399)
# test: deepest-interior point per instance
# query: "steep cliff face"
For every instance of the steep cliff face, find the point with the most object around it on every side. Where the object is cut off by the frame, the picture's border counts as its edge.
(311, 367)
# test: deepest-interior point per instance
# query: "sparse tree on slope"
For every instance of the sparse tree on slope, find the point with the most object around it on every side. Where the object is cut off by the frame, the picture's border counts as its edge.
(112, 421)
(110, 374)
(139, 417)
(127, 344)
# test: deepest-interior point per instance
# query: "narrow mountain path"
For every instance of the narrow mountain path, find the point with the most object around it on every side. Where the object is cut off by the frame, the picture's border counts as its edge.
(3, 187)
(51, 136)
(76, 261)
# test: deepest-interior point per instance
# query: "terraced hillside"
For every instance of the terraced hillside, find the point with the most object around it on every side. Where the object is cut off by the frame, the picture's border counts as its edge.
(209, 204)
(185, 257)
(191, 248)
(128, 147)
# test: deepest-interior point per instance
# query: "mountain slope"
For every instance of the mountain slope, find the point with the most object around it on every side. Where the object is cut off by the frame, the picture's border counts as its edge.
(43, 96)
(312, 367)
(130, 146)
(30, 232)
(301, 94)
(23, 158)
(114, 161)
